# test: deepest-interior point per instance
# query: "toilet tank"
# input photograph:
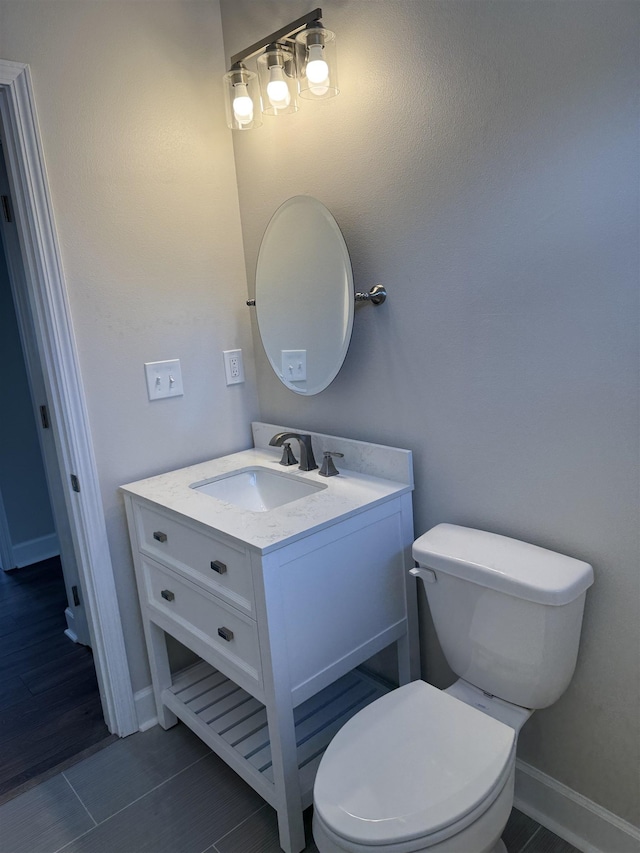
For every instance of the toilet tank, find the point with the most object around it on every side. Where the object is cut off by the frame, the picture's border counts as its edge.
(508, 614)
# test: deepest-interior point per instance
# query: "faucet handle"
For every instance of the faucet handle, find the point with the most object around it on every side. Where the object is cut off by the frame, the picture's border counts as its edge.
(287, 455)
(328, 468)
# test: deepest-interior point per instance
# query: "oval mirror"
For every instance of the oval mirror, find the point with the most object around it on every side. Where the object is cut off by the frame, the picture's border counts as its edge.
(304, 295)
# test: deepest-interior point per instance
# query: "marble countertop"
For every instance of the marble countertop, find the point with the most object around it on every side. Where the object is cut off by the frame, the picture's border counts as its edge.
(344, 496)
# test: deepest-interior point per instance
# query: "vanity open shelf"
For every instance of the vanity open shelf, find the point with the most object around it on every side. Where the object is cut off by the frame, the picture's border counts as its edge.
(279, 606)
(234, 724)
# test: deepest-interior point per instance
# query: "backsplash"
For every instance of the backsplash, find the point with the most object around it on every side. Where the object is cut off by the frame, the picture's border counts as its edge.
(376, 460)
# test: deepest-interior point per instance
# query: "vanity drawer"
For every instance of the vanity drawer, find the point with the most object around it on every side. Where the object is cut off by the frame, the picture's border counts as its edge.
(203, 559)
(229, 633)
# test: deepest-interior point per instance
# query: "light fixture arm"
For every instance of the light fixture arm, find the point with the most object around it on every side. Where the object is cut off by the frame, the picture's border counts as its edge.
(289, 30)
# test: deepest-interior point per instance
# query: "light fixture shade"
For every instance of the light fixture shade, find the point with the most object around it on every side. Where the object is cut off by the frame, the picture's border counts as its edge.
(278, 81)
(318, 67)
(242, 98)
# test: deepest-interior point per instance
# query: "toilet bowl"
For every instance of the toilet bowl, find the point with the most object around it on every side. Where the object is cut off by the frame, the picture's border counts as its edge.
(422, 769)
(416, 770)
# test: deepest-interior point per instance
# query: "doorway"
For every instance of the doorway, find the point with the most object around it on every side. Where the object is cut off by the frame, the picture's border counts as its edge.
(45, 303)
(34, 524)
(49, 698)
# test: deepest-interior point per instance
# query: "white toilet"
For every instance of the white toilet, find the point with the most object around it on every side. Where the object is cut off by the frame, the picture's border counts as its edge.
(428, 770)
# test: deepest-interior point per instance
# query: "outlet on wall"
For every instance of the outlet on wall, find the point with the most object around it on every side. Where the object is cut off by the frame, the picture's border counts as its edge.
(233, 367)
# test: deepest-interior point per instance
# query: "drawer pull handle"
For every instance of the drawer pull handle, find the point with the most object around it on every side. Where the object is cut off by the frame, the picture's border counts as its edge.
(160, 536)
(218, 567)
(167, 595)
(226, 634)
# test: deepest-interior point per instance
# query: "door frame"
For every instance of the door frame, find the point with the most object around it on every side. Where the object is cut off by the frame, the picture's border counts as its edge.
(48, 304)
(75, 612)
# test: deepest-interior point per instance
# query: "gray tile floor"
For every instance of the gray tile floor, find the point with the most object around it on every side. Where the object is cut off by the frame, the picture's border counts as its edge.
(165, 792)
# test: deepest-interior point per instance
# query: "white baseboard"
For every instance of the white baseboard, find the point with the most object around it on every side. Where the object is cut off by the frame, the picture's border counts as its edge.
(581, 822)
(145, 708)
(35, 550)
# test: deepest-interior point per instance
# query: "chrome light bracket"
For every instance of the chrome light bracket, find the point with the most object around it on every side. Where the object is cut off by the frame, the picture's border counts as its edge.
(376, 296)
(280, 35)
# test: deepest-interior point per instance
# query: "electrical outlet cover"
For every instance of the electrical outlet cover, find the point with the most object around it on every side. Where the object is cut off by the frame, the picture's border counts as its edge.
(233, 366)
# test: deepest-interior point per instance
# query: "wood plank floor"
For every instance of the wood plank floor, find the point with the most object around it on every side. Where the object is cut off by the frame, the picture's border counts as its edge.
(50, 708)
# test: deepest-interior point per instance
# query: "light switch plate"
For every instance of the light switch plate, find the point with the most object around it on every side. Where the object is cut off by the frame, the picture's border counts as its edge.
(294, 364)
(164, 379)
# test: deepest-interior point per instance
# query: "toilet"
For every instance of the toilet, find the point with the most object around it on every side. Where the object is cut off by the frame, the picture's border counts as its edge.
(422, 769)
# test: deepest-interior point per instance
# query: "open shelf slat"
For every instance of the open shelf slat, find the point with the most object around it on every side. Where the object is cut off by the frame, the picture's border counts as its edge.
(225, 715)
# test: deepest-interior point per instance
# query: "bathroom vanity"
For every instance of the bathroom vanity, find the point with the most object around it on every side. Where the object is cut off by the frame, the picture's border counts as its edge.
(280, 605)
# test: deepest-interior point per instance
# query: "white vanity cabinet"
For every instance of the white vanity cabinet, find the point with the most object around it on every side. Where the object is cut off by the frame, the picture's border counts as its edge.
(279, 630)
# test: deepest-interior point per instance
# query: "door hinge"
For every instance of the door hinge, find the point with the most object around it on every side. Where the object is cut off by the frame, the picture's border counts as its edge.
(6, 208)
(75, 483)
(76, 596)
(44, 417)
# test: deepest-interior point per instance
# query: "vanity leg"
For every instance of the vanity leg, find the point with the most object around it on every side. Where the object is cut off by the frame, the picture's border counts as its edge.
(279, 704)
(292, 838)
(160, 671)
(286, 778)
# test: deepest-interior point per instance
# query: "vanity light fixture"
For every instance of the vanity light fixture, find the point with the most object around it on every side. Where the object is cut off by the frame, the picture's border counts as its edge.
(297, 59)
(278, 82)
(318, 77)
(243, 98)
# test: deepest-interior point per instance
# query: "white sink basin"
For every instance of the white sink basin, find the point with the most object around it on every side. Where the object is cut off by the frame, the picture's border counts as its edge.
(257, 489)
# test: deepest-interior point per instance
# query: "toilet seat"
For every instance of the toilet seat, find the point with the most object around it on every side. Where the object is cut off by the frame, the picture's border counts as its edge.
(416, 764)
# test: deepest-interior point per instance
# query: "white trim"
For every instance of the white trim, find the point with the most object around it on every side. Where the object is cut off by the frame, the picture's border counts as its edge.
(146, 708)
(54, 334)
(35, 550)
(46, 437)
(571, 816)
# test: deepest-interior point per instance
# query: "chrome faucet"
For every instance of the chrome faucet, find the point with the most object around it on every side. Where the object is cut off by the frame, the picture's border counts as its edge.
(307, 460)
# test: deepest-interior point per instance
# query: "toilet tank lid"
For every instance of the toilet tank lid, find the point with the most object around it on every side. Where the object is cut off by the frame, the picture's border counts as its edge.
(506, 565)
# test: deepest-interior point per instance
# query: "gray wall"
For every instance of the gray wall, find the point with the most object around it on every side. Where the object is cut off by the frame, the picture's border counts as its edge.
(23, 485)
(143, 187)
(482, 161)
